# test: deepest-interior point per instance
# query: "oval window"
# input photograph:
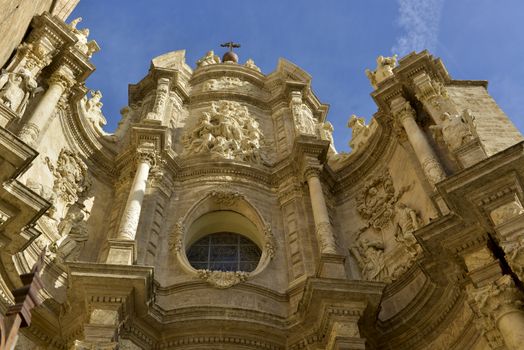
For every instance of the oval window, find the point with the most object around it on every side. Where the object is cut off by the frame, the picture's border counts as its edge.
(224, 251)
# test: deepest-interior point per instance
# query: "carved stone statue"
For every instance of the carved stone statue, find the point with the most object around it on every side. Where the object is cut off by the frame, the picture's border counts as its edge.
(227, 131)
(87, 48)
(304, 121)
(251, 64)
(73, 229)
(384, 70)
(407, 222)
(370, 257)
(16, 89)
(209, 58)
(361, 133)
(93, 110)
(454, 130)
(326, 133)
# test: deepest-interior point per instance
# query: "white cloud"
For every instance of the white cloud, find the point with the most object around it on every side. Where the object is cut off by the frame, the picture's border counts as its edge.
(419, 20)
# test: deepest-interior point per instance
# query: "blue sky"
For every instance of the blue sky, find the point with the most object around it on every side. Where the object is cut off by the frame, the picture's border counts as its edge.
(333, 40)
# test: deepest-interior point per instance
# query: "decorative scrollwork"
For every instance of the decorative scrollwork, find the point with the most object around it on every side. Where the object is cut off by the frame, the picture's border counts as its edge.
(222, 279)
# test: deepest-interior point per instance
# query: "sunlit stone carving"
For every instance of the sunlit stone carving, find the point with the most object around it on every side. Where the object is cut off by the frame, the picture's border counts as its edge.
(227, 131)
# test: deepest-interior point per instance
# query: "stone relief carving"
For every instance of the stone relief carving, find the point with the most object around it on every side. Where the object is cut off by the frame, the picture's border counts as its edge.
(506, 211)
(161, 99)
(370, 257)
(176, 236)
(376, 201)
(379, 206)
(16, 89)
(250, 63)
(269, 244)
(383, 71)
(304, 121)
(407, 222)
(361, 133)
(222, 279)
(70, 173)
(428, 90)
(47, 193)
(455, 130)
(226, 131)
(478, 259)
(514, 250)
(224, 83)
(209, 58)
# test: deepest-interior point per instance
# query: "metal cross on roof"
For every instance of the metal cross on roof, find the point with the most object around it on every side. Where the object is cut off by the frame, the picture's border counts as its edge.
(231, 45)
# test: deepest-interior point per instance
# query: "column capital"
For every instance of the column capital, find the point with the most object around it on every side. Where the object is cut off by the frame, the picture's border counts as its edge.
(401, 109)
(62, 76)
(312, 170)
(150, 157)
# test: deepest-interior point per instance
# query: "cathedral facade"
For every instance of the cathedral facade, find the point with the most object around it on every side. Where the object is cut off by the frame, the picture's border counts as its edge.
(219, 214)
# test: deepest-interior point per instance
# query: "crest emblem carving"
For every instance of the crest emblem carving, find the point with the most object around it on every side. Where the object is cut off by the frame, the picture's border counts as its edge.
(70, 173)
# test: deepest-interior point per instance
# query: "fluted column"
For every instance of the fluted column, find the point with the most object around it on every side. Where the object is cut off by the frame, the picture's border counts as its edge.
(427, 158)
(59, 81)
(123, 248)
(501, 302)
(323, 228)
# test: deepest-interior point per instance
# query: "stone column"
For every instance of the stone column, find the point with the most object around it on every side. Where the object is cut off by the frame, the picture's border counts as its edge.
(123, 249)
(59, 81)
(323, 227)
(501, 302)
(402, 111)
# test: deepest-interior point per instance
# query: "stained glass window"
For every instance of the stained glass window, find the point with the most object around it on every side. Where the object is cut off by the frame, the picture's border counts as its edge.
(224, 251)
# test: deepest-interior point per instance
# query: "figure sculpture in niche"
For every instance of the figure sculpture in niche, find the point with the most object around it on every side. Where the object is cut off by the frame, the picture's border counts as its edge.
(384, 70)
(454, 129)
(370, 257)
(16, 89)
(209, 58)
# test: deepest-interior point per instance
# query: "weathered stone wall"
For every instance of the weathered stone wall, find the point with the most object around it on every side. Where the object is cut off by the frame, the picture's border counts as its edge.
(494, 128)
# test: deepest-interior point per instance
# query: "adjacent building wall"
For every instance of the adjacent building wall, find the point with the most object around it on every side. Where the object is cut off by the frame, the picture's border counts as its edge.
(15, 16)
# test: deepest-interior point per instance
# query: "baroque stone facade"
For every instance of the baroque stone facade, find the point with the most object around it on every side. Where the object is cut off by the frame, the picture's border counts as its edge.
(219, 214)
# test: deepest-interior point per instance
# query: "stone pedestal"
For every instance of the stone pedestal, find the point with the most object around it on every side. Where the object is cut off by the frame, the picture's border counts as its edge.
(331, 266)
(470, 153)
(122, 252)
